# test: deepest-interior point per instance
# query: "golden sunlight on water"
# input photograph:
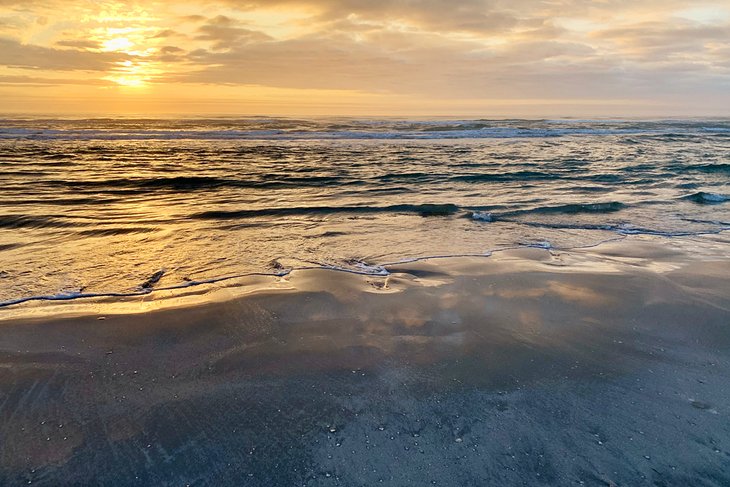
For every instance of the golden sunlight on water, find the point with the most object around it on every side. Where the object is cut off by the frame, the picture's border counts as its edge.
(101, 206)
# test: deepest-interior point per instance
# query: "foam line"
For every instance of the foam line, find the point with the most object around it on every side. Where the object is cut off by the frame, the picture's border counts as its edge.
(382, 272)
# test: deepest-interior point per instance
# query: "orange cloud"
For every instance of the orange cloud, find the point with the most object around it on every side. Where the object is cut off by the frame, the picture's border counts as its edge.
(645, 54)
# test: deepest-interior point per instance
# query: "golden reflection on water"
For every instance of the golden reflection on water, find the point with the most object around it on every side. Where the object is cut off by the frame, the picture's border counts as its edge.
(554, 289)
(468, 314)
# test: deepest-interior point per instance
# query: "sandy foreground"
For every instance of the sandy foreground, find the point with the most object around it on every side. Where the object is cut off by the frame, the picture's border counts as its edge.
(603, 366)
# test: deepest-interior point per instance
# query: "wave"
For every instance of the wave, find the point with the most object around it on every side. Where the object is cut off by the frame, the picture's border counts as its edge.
(609, 207)
(484, 214)
(705, 198)
(626, 229)
(352, 267)
(507, 176)
(111, 232)
(289, 129)
(9, 246)
(31, 221)
(408, 176)
(39, 222)
(425, 210)
(518, 216)
(53, 200)
(541, 176)
(568, 209)
(195, 183)
(709, 168)
(87, 135)
(173, 183)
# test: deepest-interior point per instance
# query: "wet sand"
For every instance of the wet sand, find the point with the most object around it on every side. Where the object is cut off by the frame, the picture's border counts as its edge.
(603, 366)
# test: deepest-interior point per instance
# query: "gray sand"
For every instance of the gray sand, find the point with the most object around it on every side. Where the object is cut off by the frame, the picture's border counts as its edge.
(607, 366)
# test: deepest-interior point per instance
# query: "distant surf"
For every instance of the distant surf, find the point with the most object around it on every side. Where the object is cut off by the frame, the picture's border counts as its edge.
(314, 129)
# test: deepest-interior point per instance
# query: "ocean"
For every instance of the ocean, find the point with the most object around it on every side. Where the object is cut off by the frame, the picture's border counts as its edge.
(128, 206)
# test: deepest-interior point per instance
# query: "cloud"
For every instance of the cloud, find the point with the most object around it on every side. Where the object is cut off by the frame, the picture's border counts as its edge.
(16, 55)
(381, 60)
(434, 15)
(193, 18)
(166, 33)
(432, 49)
(22, 80)
(444, 70)
(167, 50)
(170, 54)
(225, 32)
(79, 44)
(13, 23)
(655, 41)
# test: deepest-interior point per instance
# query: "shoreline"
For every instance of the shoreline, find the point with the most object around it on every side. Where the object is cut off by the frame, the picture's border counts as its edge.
(197, 292)
(595, 367)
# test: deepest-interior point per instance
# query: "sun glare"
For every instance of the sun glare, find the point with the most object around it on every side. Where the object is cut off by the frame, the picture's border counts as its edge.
(117, 44)
(133, 74)
(128, 81)
(129, 34)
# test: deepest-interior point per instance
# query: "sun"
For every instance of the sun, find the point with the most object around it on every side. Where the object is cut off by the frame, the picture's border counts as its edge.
(117, 44)
(132, 38)
(128, 81)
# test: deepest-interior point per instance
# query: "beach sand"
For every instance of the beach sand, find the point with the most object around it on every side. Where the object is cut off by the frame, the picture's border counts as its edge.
(602, 366)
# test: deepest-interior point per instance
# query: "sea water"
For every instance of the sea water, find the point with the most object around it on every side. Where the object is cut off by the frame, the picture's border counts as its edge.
(107, 206)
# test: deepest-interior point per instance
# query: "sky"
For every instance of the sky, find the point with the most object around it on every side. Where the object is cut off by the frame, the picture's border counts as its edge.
(499, 58)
